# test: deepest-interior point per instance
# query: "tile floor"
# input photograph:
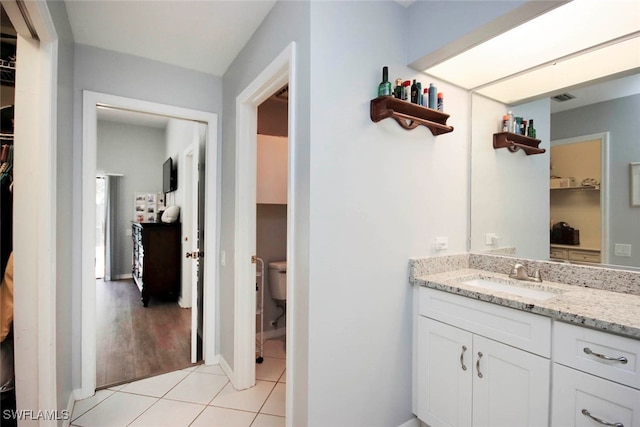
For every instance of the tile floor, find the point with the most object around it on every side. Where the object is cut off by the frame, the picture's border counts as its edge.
(199, 396)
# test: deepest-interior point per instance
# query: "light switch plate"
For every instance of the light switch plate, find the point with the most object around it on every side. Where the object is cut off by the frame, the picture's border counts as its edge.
(441, 243)
(622, 250)
(490, 238)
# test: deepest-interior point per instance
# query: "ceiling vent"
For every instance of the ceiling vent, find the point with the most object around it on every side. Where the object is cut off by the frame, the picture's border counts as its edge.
(563, 97)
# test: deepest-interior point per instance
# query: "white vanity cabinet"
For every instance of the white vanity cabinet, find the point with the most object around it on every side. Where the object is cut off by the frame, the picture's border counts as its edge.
(476, 365)
(596, 378)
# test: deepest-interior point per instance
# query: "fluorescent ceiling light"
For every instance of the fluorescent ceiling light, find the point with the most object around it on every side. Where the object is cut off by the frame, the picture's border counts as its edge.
(581, 25)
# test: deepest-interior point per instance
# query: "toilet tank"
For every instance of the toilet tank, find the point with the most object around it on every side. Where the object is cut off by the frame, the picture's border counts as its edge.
(278, 280)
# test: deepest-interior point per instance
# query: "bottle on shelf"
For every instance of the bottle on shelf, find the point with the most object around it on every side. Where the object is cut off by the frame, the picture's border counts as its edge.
(511, 122)
(406, 93)
(440, 102)
(505, 123)
(384, 88)
(397, 91)
(414, 92)
(433, 96)
(531, 132)
(419, 88)
(425, 97)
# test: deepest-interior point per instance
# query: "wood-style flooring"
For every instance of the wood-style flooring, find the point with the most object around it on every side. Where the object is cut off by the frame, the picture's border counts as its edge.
(135, 342)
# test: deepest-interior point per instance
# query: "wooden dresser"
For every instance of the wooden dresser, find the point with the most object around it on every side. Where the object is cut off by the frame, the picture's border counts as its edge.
(156, 260)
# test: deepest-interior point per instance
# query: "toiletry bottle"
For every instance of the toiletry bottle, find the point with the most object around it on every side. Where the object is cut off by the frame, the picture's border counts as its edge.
(406, 93)
(425, 97)
(414, 92)
(517, 126)
(397, 91)
(532, 131)
(433, 94)
(419, 101)
(510, 114)
(505, 123)
(440, 101)
(523, 126)
(384, 88)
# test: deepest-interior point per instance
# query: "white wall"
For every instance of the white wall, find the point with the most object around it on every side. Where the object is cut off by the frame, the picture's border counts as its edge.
(109, 72)
(620, 118)
(137, 152)
(379, 195)
(509, 191)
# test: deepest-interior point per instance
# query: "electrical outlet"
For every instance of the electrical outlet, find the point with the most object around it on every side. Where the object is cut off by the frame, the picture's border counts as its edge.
(622, 250)
(490, 239)
(441, 243)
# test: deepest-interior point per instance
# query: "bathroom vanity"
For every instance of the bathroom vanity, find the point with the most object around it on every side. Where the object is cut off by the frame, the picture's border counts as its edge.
(494, 351)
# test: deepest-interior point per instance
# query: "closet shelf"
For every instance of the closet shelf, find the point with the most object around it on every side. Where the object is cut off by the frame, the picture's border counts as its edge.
(514, 142)
(409, 115)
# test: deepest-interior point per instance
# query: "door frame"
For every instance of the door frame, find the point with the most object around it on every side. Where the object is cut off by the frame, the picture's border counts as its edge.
(90, 102)
(279, 72)
(35, 229)
(604, 185)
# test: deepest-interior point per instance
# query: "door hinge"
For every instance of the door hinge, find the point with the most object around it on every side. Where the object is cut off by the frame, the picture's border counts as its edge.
(254, 259)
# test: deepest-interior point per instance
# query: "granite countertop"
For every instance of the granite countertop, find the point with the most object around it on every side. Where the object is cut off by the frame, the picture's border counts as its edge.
(600, 309)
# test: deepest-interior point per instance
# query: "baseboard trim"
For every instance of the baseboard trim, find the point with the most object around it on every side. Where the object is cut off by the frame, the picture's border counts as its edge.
(413, 422)
(226, 369)
(70, 404)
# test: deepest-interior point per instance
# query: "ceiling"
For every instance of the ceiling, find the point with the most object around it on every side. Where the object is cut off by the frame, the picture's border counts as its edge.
(203, 36)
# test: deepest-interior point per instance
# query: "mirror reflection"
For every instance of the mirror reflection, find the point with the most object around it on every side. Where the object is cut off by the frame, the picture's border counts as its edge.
(572, 202)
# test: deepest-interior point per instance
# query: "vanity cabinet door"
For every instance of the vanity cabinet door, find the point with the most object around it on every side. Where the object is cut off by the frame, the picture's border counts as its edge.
(510, 386)
(444, 374)
(577, 397)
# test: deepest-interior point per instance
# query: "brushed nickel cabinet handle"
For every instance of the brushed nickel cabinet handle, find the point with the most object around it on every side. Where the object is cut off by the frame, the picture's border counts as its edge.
(464, 348)
(620, 359)
(478, 364)
(598, 420)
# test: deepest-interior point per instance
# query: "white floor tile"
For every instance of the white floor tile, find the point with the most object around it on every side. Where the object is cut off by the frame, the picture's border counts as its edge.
(283, 377)
(222, 417)
(210, 369)
(198, 388)
(276, 403)
(250, 399)
(118, 410)
(117, 387)
(169, 413)
(263, 420)
(275, 348)
(270, 369)
(156, 386)
(82, 406)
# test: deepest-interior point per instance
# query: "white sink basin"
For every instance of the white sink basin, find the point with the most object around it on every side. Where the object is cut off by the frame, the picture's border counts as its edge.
(522, 291)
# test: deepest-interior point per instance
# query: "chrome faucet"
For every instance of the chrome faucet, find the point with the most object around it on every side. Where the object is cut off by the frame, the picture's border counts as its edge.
(519, 272)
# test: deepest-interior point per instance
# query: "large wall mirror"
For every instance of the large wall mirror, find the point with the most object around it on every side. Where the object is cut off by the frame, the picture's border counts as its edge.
(591, 138)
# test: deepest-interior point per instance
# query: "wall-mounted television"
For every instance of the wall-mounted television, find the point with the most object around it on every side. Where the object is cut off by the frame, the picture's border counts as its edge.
(169, 177)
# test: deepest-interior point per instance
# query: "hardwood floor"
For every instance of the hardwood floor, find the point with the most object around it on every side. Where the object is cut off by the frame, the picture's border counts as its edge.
(135, 342)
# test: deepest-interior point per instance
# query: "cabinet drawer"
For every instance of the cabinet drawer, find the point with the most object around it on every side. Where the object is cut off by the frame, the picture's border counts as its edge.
(575, 395)
(584, 256)
(527, 331)
(558, 253)
(578, 348)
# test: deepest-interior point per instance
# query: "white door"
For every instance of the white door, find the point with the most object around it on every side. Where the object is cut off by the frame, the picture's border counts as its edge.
(444, 374)
(510, 386)
(191, 243)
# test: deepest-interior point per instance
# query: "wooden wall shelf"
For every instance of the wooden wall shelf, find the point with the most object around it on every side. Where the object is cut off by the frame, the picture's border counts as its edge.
(409, 115)
(514, 142)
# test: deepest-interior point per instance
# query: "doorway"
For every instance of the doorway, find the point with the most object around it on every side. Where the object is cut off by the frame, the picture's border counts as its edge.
(579, 199)
(275, 76)
(91, 102)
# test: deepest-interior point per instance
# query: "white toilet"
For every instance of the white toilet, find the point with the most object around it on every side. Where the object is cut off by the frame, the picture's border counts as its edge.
(278, 280)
